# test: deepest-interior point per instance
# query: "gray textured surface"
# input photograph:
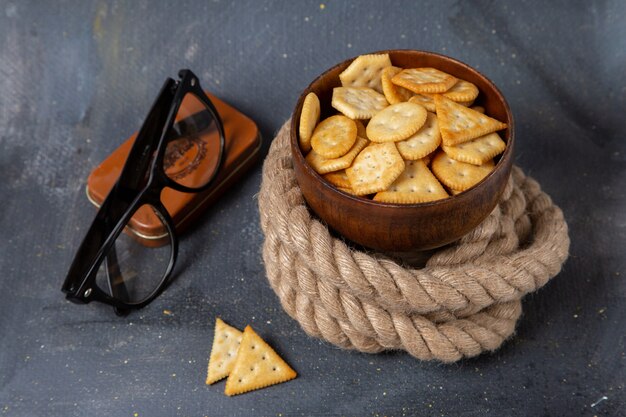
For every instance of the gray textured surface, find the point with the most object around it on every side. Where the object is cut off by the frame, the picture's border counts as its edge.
(77, 77)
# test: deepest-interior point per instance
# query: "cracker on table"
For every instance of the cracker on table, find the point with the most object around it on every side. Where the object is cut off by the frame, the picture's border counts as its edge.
(462, 91)
(424, 80)
(224, 351)
(393, 93)
(358, 102)
(396, 122)
(309, 116)
(416, 184)
(423, 142)
(323, 165)
(375, 168)
(460, 124)
(425, 100)
(477, 151)
(334, 136)
(365, 71)
(458, 175)
(257, 366)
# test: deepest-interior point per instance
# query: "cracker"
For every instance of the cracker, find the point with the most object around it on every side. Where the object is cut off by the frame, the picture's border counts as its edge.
(416, 184)
(309, 116)
(358, 103)
(375, 168)
(462, 91)
(224, 351)
(479, 109)
(347, 190)
(458, 175)
(334, 136)
(365, 71)
(257, 366)
(425, 100)
(423, 142)
(396, 122)
(424, 80)
(476, 151)
(323, 165)
(393, 93)
(338, 178)
(460, 124)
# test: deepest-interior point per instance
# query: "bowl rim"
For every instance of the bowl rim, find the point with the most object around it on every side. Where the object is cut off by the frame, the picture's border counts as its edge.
(297, 152)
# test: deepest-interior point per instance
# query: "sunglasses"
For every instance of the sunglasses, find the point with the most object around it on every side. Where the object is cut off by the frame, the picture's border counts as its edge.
(180, 145)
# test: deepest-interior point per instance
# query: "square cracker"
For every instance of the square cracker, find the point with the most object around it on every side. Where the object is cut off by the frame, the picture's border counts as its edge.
(224, 351)
(477, 151)
(416, 184)
(358, 102)
(365, 71)
(375, 168)
(257, 366)
(323, 165)
(460, 124)
(424, 80)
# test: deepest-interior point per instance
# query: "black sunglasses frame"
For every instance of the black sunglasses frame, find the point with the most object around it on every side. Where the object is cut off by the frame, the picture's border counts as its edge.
(131, 191)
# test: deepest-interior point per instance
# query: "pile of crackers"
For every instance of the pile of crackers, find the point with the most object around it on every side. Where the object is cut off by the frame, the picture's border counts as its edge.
(401, 135)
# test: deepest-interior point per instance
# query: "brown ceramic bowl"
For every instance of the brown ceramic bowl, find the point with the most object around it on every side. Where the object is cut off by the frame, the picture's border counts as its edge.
(405, 227)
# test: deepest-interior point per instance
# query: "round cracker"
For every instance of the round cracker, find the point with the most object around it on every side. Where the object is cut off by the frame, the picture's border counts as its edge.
(396, 122)
(462, 91)
(375, 168)
(334, 136)
(457, 175)
(423, 142)
(309, 116)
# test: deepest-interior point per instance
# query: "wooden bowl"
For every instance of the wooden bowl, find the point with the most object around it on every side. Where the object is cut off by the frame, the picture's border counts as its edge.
(405, 227)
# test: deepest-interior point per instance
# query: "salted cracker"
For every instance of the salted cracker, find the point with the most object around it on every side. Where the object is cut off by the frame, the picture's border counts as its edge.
(224, 351)
(358, 102)
(424, 80)
(396, 122)
(476, 151)
(257, 366)
(423, 142)
(334, 136)
(416, 184)
(458, 175)
(425, 100)
(365, 71)
(375, 168)
(309, 116)
(460, 124)
(323, 165)
(338, 179)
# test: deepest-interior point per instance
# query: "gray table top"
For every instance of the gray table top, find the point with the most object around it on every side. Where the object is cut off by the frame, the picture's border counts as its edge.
(76, 78)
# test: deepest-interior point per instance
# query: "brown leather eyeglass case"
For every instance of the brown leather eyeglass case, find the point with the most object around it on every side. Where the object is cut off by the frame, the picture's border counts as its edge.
(242, 149)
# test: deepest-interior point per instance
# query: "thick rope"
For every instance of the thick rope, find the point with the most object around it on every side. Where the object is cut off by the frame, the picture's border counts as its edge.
(466, 299)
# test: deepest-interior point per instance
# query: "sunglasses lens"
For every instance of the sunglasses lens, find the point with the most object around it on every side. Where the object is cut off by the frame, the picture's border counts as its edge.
(132, 271)
(192, 153)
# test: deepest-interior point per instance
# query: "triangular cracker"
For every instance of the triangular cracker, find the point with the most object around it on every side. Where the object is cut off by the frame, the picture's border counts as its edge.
(257, 366)
(476, 151)
(224, 351)
(416, 184)
(365, 71)
(460, 124)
